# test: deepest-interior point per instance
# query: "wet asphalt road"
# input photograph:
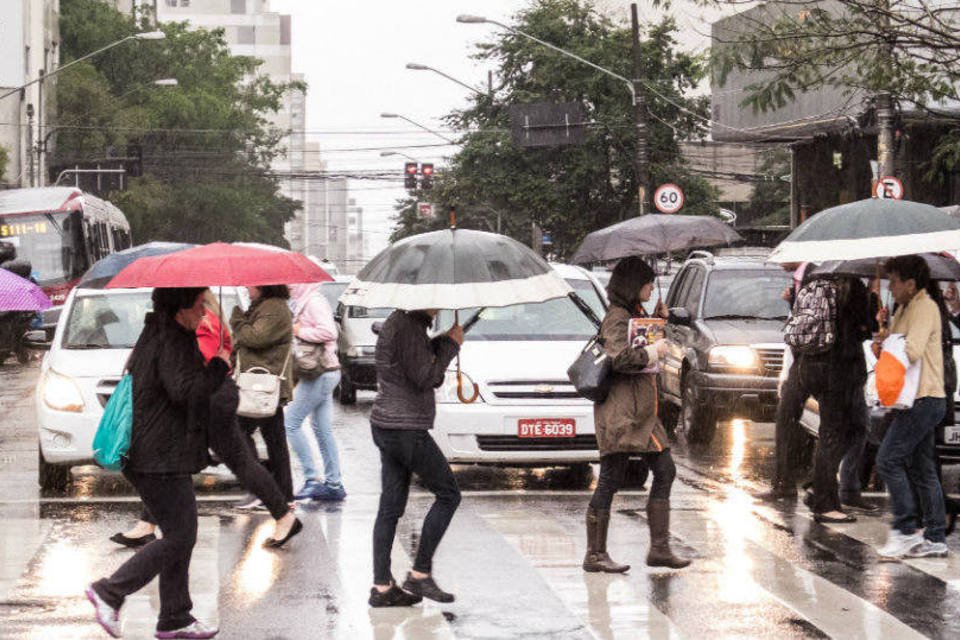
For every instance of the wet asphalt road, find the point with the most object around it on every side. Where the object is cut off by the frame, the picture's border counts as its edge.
(512, 555)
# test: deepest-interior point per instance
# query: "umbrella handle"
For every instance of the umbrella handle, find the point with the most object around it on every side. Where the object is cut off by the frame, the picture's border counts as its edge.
(463, 398)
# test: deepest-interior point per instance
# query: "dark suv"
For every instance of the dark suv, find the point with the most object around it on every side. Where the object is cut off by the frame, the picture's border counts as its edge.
(726, 343)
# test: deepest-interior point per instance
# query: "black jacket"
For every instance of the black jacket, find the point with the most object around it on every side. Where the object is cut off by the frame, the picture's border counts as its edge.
(171, 399)
(409, 367)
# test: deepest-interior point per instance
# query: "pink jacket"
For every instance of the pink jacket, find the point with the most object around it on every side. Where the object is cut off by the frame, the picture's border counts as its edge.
(312, 313)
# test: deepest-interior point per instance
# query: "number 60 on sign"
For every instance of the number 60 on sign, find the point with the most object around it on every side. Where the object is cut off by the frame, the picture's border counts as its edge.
(668, 198)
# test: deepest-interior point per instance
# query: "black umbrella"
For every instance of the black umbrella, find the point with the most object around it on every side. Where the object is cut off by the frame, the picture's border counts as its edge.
(106, 268)
(941, 267)
(653, 234)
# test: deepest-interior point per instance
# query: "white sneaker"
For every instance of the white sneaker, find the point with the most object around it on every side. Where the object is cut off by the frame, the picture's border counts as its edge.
(196, 630)
(929, 549)
(107, 616)
(898, 544)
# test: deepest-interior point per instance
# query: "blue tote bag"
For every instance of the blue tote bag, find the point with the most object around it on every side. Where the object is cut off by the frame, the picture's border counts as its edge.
(112, 440)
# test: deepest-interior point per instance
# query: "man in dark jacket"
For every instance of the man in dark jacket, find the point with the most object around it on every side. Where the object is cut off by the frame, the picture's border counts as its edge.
(409, 367)
(171, 401)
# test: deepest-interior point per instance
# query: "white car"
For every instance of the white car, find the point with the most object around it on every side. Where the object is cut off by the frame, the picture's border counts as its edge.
(91, 344)
(528, 412)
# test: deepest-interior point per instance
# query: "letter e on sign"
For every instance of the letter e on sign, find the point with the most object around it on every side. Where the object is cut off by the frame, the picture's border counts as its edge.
(668, 198)
(888, 187)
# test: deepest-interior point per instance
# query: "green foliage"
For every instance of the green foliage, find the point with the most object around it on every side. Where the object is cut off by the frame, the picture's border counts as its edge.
(207, 142)
(4, 159)
(569, 190)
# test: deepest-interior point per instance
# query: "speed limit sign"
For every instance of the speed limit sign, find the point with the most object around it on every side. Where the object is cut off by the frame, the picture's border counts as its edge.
(888, 187)
(668, 198)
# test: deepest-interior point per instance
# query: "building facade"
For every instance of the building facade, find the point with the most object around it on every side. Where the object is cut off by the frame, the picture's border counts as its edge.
(29, 45)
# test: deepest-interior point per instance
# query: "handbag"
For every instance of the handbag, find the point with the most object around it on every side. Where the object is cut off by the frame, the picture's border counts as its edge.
(308, 358)
(259, 389)
(590, 372)
(111, 442)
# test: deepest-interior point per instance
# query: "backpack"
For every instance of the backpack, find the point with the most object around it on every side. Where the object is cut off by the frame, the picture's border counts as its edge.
(812, 328)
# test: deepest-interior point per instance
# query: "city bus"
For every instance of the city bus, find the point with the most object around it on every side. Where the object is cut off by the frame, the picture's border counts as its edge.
(61, 231)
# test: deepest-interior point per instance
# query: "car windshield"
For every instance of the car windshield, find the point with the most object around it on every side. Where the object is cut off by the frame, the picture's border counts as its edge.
(747, 294)
(332, 291)
(558, 319)
(114, 320)
(364, 312)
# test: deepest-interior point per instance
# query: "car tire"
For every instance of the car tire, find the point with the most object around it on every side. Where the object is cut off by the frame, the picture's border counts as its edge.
(52, 477)
(581, 474)
(669, 414)
(3, 356)
(347, 392)
(697, 421)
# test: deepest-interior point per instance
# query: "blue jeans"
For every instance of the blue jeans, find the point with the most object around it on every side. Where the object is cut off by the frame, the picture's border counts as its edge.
(906, 457)
(314, 398)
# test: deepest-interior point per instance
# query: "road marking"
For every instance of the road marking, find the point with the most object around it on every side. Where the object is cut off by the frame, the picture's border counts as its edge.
(20, 539)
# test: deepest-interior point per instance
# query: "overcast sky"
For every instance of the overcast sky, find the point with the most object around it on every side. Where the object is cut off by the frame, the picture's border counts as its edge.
(354, 55)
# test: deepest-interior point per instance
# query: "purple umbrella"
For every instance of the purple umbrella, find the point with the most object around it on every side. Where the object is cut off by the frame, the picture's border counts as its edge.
(18, 294)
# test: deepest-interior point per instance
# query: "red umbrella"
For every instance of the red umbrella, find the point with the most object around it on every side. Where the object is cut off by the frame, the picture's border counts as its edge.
(219, 264)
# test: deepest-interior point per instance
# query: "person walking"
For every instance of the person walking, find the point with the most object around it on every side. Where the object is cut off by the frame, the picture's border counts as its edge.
(626, 424)
(835, 378)
(227, 443)
(172, 389)
(905, 460)
(313, 396)
(410, 365)
(263, 337)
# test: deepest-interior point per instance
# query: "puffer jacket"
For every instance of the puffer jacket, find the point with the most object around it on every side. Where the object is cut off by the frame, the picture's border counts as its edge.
(262, 337)
(409, 367)
(626, 422)
(171, 399)
(315, 323)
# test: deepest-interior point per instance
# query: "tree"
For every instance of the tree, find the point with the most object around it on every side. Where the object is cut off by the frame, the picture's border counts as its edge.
(4, 159)
(569, 190)
(206, 143)
(770, 200)
(908, 49)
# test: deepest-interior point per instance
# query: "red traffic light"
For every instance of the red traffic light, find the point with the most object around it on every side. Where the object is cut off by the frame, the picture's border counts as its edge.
(410, 168)
(426, 169)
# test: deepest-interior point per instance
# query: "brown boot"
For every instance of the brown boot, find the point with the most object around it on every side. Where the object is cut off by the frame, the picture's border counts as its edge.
(660, 555)
(596, 560)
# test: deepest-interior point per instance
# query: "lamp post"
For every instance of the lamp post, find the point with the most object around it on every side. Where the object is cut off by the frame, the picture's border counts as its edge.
(641, 163)
(417, 124)
(414, 66)
(384, 154)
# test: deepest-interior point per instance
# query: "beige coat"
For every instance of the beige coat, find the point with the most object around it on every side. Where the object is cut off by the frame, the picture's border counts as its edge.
(262, 337)
(626, 422)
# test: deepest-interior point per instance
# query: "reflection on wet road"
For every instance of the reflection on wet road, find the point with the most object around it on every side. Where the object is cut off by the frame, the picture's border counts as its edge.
(512, 555)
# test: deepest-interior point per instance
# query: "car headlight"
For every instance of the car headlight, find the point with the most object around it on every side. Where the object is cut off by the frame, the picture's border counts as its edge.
(447, 392)
(358, 352)
(738, 358)
(60, 392)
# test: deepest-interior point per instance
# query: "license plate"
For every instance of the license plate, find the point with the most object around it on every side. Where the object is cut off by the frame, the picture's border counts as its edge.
(951, 435)
(546, 427)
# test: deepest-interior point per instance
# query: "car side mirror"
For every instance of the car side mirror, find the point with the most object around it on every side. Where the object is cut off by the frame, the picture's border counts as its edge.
(679, 315)
(376, 327)
(36, 339)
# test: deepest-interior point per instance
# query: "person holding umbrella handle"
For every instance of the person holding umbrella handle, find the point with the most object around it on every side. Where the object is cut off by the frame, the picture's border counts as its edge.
(410, 365)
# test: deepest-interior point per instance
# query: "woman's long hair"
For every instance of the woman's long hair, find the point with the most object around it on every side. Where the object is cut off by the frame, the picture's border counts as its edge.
(627, 278)
(212, 305)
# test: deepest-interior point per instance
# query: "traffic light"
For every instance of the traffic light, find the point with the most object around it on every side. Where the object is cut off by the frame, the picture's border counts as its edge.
(410, 175)
(426, 175)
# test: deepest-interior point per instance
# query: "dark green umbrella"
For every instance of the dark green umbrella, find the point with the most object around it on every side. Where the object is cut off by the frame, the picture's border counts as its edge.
(873, 228)
(944, 268)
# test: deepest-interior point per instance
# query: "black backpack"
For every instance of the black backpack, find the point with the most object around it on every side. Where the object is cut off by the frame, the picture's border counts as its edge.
(812, 329)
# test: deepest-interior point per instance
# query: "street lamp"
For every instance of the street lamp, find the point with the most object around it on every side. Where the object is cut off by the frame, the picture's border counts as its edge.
(422, 67)
(636, 98)
(384, 154)
(417, 124)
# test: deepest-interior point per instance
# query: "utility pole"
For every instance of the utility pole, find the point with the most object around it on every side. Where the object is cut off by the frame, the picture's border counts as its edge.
(884, 109)
(32, 171)
(641, 160)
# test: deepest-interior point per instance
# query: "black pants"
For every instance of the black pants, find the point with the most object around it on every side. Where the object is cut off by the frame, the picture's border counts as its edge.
(843, 415)
(275, 437)
(789, 437)
(171, 499)
(230, 446)
(613, 471)
(403, 453)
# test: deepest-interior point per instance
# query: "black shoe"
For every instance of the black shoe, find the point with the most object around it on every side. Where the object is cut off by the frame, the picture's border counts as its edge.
(133, 543)
(860, 504)
(427, 588)
(271, 543)
(823, 518)
(777, 495)
(393, 597)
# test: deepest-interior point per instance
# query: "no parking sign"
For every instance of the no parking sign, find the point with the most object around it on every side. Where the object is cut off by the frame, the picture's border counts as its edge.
(888, 187)
(668, 198)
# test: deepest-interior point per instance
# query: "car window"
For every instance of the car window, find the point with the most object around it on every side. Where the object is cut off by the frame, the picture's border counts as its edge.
(331, 291)
(558, 319)
(747, 293)
(678, 288)
(364, 312)
(693, 291)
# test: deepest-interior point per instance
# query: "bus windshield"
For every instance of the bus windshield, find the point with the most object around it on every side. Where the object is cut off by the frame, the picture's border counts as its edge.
(52, 242)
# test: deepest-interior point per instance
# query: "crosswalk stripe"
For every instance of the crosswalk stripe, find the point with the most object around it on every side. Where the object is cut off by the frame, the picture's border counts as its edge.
(20, 539)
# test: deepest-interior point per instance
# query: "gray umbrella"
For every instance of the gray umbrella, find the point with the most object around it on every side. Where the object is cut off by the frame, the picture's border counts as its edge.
(454, 269)
(652, 234)
(941, 267)
(871, 228)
